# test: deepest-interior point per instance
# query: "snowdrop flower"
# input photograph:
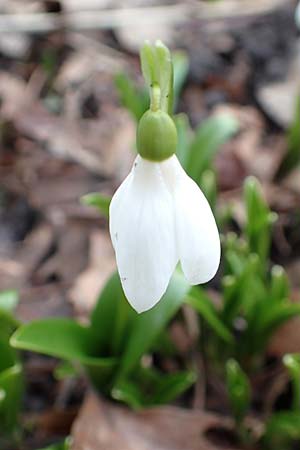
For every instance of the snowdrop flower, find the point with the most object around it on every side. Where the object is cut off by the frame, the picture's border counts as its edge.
(159, 217)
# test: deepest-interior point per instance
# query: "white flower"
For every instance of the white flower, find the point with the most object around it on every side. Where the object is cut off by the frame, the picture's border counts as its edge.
(159, 216)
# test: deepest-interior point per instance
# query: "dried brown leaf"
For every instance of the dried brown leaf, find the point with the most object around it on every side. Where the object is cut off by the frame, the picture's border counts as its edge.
(105, 426)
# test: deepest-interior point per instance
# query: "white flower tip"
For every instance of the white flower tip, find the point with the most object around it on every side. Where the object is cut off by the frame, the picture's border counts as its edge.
(204, 274)
(141, 301)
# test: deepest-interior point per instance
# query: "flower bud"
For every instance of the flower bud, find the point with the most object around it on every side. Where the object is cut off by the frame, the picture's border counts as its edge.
(156, 136)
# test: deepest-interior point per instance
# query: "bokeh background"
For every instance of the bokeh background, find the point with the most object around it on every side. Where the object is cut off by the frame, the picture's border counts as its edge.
(64, 132)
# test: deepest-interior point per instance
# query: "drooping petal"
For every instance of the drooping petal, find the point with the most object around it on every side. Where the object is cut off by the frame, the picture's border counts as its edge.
(196, 230)
(143, 234)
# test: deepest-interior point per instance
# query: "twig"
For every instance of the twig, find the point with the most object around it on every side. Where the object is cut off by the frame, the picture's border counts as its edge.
(116, 18)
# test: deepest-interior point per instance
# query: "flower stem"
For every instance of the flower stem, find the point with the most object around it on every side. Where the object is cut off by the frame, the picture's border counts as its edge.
(155, 97)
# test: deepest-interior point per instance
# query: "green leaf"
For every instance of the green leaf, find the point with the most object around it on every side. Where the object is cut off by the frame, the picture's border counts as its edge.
(244, 289)
(148, 387)
(157, 68)
(171, 386)
(183, 138)
(280, 289)
(208, 184)
(181, 68)
(11, 383)
(7, 323)
(148, 64)
(64, 370)
(238, 388)
(292, 364)
(65, 445)
(209, 137)
(129, 392)
(100, 201)
(259, 220)
(146, 327)
(276, 316)
(135, 101)
(165, 72)
(8, 354)
(199, 300)
(111, 318)
(265, 321)
(9, 300)
(282, 429)
(61, 338)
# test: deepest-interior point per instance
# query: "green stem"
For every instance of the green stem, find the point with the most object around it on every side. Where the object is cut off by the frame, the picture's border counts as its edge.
(155, 97)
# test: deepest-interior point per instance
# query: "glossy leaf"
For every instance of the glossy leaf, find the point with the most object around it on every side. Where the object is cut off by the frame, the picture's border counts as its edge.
(61, 338)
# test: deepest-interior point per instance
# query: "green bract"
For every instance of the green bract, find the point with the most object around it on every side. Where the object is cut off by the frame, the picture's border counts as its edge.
(156, 136)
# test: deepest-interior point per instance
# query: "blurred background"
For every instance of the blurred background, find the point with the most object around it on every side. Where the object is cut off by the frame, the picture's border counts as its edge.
(67, 72)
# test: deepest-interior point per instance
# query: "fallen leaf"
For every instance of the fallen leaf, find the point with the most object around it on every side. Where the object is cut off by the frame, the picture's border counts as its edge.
(105, 426)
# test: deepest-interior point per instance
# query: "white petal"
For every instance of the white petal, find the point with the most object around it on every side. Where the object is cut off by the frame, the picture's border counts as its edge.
(196, 230)
(142, 229)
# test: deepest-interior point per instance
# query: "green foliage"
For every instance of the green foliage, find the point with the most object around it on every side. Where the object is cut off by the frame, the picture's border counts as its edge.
(65, 445)
(201, 302)
(255, 298)
(208, 138)
(99, 201)
(11, 378)
(181, 68)
(259, 220)
(208, 185)
(111, 348)
(136, 100)
(239, 391)
(282, 431)
(292, 364)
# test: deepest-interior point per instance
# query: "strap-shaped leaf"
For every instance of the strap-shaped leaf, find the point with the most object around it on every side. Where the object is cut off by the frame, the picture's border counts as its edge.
(146, 327)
